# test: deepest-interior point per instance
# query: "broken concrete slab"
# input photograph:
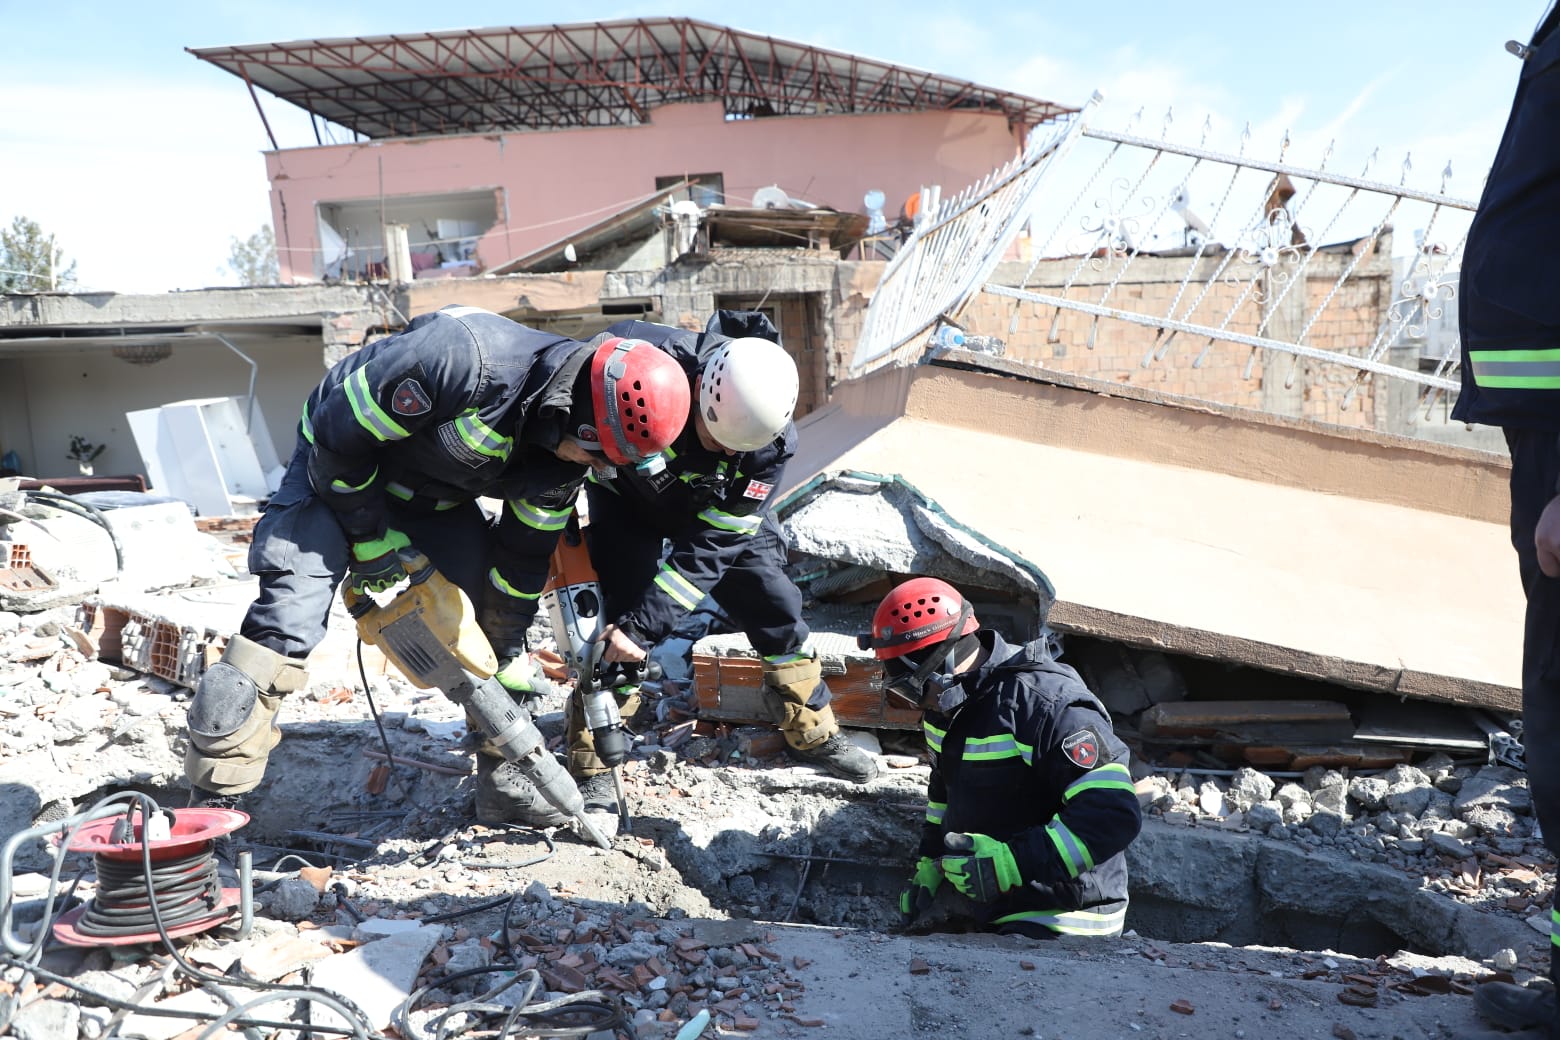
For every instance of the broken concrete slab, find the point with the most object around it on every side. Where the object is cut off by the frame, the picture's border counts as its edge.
(46, 1020)
(1198, 529)
(377, 976)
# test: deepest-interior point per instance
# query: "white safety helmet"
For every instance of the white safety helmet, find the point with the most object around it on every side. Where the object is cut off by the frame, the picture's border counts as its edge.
(747, 392)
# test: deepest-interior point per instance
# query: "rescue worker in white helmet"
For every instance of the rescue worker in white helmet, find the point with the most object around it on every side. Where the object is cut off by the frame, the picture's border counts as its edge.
(1030, 804)
(712, 505)
(394, 447)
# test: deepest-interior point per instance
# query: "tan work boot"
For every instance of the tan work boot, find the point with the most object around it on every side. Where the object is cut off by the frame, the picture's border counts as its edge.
(1515, 1007)
(504, 795)
(838, 756)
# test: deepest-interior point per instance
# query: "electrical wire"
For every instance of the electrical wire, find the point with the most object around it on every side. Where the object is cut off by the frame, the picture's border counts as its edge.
(358, 1024)
(604, 1015)
(104, 1000)
(185, 889)
(374, 708)
(67, 504)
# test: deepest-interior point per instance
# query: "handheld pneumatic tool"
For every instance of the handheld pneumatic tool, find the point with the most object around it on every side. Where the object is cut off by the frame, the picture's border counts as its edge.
(429, 630)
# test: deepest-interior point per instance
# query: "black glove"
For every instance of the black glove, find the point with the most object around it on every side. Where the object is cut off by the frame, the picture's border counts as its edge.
(376, 565)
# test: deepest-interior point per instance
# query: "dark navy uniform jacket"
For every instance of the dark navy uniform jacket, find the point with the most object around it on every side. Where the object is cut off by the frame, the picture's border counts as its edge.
(709, 504)
(463, 403)
(1509, 299)
(1030, 758)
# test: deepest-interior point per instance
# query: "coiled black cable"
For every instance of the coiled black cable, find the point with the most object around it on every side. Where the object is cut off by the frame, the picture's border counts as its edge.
(186, 890)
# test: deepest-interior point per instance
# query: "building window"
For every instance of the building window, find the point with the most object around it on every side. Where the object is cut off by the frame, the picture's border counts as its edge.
(706, 189)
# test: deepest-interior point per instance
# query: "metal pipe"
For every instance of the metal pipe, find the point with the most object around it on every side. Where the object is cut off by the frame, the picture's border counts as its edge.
(254, 369)
(246, 893)
(334, 839)
(1322, 176)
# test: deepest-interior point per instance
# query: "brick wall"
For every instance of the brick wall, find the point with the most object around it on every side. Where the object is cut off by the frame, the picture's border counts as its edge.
(1344, 319)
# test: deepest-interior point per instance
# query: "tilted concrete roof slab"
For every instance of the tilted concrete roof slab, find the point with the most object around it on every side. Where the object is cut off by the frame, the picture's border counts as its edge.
(1364, 559)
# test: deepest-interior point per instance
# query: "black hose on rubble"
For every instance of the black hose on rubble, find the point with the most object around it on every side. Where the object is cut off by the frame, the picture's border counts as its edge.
(67, 504)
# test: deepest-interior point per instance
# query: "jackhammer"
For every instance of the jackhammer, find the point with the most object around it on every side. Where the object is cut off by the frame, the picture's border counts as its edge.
(429, 631)
(572, 599)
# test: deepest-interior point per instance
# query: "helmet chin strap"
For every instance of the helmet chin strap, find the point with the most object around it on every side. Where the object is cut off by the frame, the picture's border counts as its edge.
(933, 676)
(945, 690)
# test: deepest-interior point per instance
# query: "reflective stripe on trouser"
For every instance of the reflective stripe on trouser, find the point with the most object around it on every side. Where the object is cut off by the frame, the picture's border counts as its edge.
(234, 763)
(583, 760)
(1072, 922)
(790, 687)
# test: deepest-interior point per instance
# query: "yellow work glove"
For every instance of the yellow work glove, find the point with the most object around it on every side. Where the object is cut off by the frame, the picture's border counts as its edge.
(924, 883)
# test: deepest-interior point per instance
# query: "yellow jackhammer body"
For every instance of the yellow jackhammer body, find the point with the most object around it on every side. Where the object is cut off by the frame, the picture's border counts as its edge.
(429, 631)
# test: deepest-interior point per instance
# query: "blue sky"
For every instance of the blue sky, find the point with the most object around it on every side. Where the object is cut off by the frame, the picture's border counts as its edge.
(145, 162)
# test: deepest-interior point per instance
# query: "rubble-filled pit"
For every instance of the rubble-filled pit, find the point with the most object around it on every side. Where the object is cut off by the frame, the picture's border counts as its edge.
(770, 841)
(1438, 858)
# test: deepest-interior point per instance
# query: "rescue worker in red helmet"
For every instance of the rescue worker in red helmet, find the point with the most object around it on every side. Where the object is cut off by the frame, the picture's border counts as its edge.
(1030, 804)
(395, 445)
(662, 542)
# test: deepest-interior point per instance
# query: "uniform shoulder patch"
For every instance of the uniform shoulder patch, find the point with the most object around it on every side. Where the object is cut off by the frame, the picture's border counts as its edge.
(757, 489)
(1083, 748)
(410, 398)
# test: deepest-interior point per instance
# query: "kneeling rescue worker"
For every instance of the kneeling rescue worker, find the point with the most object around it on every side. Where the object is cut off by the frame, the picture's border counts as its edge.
(394, 447)
(1030, 804)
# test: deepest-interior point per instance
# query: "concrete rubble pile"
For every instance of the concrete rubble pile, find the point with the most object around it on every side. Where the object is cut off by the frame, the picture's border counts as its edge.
(732, 849)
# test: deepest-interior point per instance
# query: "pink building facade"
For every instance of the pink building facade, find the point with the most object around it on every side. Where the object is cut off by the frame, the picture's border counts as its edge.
(472, 202)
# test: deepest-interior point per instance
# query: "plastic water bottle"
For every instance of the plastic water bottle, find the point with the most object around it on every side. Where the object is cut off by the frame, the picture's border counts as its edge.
(985, 345)
(947, 338)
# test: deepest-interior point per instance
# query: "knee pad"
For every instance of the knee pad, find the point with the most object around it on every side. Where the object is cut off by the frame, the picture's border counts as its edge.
(805, 727)
(231, 718)
(223, 703)
(796, 681)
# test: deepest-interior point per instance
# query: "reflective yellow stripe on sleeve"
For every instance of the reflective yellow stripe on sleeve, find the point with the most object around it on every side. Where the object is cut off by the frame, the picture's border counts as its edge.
(370, 416)
(1516, 369)
(737, 524)
(1112, 776)
(1073, 922)
(1074, 854)
(482, 438)
(498, 582)
(342, 486)
(540, 517)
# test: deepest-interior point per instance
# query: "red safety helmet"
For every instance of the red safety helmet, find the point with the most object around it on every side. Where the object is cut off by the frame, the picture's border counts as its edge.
(640, 397)
(919, 613)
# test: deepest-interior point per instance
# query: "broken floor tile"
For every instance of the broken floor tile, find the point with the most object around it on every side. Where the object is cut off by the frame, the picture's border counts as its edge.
(378, 975)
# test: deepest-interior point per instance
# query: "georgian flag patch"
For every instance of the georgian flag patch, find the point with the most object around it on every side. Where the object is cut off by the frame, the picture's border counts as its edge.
(757, 489)
(410, 398)
(1083, 748)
